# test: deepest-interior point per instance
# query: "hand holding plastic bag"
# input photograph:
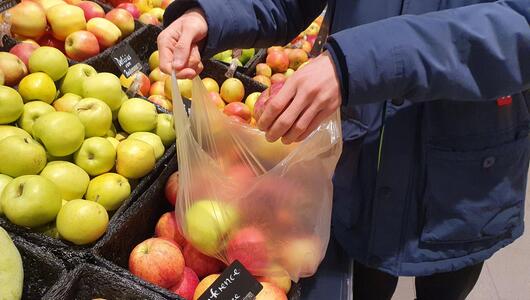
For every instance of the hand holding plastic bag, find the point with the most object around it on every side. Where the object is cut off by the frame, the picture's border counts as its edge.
(267, 205)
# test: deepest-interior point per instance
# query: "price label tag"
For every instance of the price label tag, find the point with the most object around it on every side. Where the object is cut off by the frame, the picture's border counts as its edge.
(235, 283)
(7, 4)
(126, 60)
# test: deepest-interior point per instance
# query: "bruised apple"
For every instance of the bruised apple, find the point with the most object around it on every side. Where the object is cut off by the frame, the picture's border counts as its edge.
(167, 227)
(158, 261)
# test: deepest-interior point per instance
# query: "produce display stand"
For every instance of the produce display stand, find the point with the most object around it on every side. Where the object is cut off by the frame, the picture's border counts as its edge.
(41, 268)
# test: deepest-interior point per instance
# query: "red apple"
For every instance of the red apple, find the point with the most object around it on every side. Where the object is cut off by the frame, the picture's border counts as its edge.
(148, 19)
(157, 88)
(23, 51)
(167, 227)
(105, 31)
(278, 61)
(172, 188)
(278, 78)
(81, 45)
(311, 39)
(217, 100)
(187, 285)
(204, 285)
(158, 261)
(296, 58)
(157, 75)
(123, 19)
(266, 81)
(274, 48)
(141, 78)
(249, 247)
(162, 101)
(238, 109)
(271, 292)
(202, 265)
(135, 12)
(13, 69)
(91, 10)
(259, 106)
(117, 3)
(49, 40)
(263, 69)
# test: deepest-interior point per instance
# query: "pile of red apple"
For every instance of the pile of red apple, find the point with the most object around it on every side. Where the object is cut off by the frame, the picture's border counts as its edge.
(169, 261)
(64, 163)
(146, 11)
(80, 29)
(282, 62)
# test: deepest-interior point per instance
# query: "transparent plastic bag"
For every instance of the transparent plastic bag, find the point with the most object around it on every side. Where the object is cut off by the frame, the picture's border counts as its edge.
(267, 205)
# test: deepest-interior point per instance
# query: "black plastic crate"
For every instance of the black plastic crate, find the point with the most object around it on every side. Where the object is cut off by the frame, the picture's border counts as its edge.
(41, 268)
(87, 282)
(138, 224)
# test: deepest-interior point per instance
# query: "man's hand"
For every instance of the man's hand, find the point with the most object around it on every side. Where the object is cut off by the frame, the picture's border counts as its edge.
(308, 97)
(178, 44)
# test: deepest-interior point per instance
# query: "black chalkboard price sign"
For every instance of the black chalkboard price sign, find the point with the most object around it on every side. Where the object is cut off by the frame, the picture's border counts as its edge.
(235, 283)
(126, 60)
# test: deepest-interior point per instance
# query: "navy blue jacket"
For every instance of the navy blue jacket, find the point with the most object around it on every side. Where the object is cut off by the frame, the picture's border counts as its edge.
(435, 179)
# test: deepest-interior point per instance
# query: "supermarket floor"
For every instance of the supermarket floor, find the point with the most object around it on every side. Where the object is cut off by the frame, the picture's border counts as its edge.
(506, 276)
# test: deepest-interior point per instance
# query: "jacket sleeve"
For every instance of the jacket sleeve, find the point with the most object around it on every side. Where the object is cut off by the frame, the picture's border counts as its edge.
(477, 52)
(249, 23)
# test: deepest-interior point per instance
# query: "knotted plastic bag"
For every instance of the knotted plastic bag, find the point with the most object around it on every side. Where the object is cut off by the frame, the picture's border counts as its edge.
(267, 205)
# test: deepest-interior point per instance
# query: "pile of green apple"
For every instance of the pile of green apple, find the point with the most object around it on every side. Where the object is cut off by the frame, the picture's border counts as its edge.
(227, 56)
(64, 161)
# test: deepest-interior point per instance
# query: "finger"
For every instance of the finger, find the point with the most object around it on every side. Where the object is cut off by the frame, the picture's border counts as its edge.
(165, 53)
(287, 119)
(302, 123)
(194, 67)
(320, 117)
(181, 53)
(186, 73)
(276, 105)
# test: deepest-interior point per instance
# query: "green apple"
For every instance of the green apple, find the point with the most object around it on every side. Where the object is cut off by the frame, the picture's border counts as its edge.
(71, 180)
(134, 158)
(31, 201)
(152, 139)
(4, 180)
(37, 86)
(48, 60)
(82, 222)
(246, 55)
(11, 105)
(96, 156)
(251, 101)
(67, 102)
(32, 111)
(114, 142)
(21, 156)
(137, 115)
(207, 223)
(95, 116)
(223, 55)
(61, 133)
(109, 190)
(165, 129)
(75, 77)
(6, 131)
(105, 87)
(50, 157)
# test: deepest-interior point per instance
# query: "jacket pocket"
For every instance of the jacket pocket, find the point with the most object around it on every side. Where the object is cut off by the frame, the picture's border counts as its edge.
(474, 195)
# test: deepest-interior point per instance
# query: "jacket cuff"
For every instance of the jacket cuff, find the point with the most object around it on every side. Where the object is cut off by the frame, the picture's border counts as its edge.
(340, 68)
(371, 61)
(176, 9)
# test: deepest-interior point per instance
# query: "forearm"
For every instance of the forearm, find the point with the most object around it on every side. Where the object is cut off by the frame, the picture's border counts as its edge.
(477, 52)
(250, 23)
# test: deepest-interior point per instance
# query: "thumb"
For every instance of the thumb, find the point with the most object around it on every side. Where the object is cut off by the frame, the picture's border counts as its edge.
(181, 54)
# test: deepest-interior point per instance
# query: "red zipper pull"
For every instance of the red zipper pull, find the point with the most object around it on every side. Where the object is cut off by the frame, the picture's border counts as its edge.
(506, 100)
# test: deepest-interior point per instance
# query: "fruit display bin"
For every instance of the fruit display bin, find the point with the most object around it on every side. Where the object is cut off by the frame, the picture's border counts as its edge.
(90, 282)
(138, 27)
(136, 225)
(217, 70)
(41, 268)
(250, 66)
